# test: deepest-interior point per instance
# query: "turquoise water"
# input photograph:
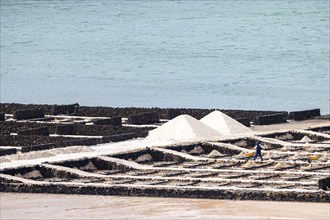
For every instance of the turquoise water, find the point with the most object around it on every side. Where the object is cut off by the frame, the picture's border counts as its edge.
(271, 55)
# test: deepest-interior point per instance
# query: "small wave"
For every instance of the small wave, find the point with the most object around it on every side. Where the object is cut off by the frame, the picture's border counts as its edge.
(23, 42)
(191, 18)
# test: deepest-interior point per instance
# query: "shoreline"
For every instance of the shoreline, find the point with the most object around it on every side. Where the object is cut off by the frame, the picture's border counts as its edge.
(58, 206)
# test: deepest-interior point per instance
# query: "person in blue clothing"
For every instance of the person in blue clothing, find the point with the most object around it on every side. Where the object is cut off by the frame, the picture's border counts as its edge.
(258, 152)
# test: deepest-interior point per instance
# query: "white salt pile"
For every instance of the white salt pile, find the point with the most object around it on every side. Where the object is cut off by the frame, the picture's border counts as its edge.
(280, 165)
(306, 139)
(144, 158)
(184, 128)
(324, 158)
(288, 136)
(31, 175)
(249, 164)
(241, 143)
(287, 148)
(225, 124)
(197, 150)
(313, 149)
(215, 154)
(296, 156)
(89, 166)
(266, 156)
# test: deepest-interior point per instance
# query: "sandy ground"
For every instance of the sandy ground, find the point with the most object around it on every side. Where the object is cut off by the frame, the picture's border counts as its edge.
(53, 206)
(291, 125)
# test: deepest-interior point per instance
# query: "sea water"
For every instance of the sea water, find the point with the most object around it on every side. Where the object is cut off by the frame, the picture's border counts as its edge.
(248, 54)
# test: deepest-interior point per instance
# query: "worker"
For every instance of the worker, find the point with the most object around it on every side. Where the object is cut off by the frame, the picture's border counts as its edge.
(258, 152)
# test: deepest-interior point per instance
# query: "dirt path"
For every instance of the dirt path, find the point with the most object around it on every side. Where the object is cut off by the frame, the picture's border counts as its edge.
(49, 206)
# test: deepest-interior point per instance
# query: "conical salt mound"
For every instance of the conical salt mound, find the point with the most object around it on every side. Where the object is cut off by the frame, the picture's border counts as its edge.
(225, 124)
(324, 158)
(296, 156)
(215, 154)
(306, 139)
(184, 128)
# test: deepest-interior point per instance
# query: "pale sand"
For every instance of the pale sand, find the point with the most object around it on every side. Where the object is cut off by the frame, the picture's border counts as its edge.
(291, 125)
(53, 206)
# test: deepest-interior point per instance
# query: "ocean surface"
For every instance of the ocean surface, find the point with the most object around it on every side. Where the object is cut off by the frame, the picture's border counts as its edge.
(248, 54)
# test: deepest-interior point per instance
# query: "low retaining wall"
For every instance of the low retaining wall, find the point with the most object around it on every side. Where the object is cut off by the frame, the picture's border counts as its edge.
(44, 131)
(7, 127)
(324, 183)
(64, 129)
(2, 116)
(118, 137)
(244, 121)
(84, 142)
(166, 113)
(27, 140)
(115, 121)
(8, 151)
(303, 115)
(144, 118)
(270, 119)
(25, 149)
(28, 114)
(63, 109)
(98, 189)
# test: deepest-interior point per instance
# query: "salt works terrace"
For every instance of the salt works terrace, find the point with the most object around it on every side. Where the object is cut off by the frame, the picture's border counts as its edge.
(107, 155)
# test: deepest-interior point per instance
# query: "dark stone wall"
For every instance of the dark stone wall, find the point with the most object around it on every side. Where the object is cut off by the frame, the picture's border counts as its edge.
(64, 129)
(105, 130)
(84, 142)
(10, 108)
(25, 149)
(61, 188)
(63, 109)
(166, 113)
(144, 118)
(321, 129)
(270, 119)
(8, 151)
(7, 127)
(245, 121)
(2, 116)
(324, 183)
(28, 114)
(118, 137)
(29, 140)
(303, 115)
(44, 131)
(115, 121)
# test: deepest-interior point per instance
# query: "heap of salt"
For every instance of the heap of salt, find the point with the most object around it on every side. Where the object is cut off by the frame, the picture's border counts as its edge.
(184, 128)
(225, 124)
